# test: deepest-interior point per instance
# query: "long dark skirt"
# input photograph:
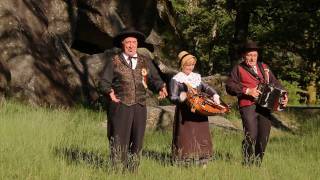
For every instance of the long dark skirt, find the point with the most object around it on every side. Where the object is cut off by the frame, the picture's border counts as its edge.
(191, 136)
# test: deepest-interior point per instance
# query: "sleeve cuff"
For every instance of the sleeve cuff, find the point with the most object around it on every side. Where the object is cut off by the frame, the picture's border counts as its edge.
(245, 90)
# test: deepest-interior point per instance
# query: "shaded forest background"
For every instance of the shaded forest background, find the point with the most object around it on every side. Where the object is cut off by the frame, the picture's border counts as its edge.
(53, 51)
(287, 31)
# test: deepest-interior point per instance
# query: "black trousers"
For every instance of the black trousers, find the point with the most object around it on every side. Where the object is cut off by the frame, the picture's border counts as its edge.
(126, 127)
(256, 125)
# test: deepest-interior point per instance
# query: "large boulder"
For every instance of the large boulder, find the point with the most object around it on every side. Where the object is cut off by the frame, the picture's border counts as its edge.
(37, 66)
(44, 45)
(162, 117)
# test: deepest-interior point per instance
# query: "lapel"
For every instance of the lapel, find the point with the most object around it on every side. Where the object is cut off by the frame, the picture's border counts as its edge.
(141, 62)
(138, 62)
(250, 70)
(123, 60)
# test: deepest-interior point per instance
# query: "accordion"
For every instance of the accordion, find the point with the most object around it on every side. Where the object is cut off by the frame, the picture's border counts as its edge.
(271, 97)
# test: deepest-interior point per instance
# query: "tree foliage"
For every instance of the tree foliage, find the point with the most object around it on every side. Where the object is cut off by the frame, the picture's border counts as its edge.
(288, 31)
(291, 31)
(206, 26)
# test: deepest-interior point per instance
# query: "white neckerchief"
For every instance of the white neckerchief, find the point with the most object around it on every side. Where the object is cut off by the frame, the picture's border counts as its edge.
(255, 69)
(194, 79)
(134, 60)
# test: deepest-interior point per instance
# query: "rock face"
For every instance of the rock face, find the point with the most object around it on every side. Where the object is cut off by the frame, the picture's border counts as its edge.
(44, 44)
(37, 66)
(162, 117)
(53, 51)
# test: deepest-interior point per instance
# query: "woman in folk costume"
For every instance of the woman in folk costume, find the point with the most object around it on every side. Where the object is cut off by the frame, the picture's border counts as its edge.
(191, 135)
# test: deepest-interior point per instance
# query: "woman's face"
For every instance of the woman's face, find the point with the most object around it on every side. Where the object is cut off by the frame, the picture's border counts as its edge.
(188, 68)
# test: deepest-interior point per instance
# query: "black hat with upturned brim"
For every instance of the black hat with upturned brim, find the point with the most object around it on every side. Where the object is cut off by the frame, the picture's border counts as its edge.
(250, 46)
(117, 40)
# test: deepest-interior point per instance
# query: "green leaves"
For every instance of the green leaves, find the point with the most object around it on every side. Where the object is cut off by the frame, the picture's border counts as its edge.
(206, 27)
(288, 31)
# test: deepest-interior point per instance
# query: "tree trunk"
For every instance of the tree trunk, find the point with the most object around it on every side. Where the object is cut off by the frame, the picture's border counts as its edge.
(241, 31)
(312, 86)
(312, 91)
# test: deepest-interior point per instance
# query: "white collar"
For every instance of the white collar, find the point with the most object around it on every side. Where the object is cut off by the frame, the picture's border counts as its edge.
(194, 79)
(126, 56)
(134, 60)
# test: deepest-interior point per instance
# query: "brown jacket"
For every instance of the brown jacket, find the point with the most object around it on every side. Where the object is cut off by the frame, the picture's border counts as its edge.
(127, 82)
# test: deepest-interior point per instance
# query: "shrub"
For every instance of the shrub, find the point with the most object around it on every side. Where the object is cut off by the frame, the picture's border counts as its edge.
(293, 92)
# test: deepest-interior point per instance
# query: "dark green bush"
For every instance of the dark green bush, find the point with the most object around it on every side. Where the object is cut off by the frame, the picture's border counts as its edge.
(293, 92)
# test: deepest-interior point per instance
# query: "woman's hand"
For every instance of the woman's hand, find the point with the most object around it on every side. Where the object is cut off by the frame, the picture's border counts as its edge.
(182, 96)
(216, 98)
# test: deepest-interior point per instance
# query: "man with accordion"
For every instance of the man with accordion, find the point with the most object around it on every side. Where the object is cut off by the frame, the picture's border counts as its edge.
(259, 93)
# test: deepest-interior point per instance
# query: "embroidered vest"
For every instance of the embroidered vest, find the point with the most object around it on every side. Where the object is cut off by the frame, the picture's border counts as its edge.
(128, 83)
(249, 81)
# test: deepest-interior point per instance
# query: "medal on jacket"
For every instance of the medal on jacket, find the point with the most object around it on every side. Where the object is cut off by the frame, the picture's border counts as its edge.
(144, 73)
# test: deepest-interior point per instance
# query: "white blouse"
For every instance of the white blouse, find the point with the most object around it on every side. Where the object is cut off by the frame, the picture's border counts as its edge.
(193, 79)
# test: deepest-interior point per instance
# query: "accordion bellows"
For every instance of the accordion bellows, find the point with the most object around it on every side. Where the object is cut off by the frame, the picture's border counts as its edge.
(271, 97)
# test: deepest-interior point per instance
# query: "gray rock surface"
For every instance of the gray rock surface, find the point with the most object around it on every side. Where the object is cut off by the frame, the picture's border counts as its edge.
(161, 117)
(38, 38)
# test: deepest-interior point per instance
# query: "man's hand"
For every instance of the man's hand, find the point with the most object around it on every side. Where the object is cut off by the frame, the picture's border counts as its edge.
(284, 101)
(113, 96)
(163, 93)
(254, 92)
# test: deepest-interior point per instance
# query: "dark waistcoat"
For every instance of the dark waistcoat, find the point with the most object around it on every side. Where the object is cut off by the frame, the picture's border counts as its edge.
(128, 82)
(249, 81)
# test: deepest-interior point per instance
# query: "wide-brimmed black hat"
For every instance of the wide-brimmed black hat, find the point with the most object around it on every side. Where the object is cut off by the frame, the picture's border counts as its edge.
(250, 46)
(129, 33)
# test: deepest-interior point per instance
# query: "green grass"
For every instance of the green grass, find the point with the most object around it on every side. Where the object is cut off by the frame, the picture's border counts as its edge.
(39, 143)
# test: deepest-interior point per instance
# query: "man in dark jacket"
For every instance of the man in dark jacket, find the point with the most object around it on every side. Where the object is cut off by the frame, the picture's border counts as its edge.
(243, 82)
(125, 80)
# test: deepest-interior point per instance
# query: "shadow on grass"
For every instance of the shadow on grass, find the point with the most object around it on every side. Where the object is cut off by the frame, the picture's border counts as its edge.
(165, 159)
(76, 155)
(302, 115)
(227, 157)
(308, 120)
(162, 158)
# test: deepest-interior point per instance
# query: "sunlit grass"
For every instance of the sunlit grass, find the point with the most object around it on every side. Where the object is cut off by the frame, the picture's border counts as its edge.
(39, 143)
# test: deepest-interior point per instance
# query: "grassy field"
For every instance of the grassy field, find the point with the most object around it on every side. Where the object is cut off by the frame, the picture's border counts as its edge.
(39, 143)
